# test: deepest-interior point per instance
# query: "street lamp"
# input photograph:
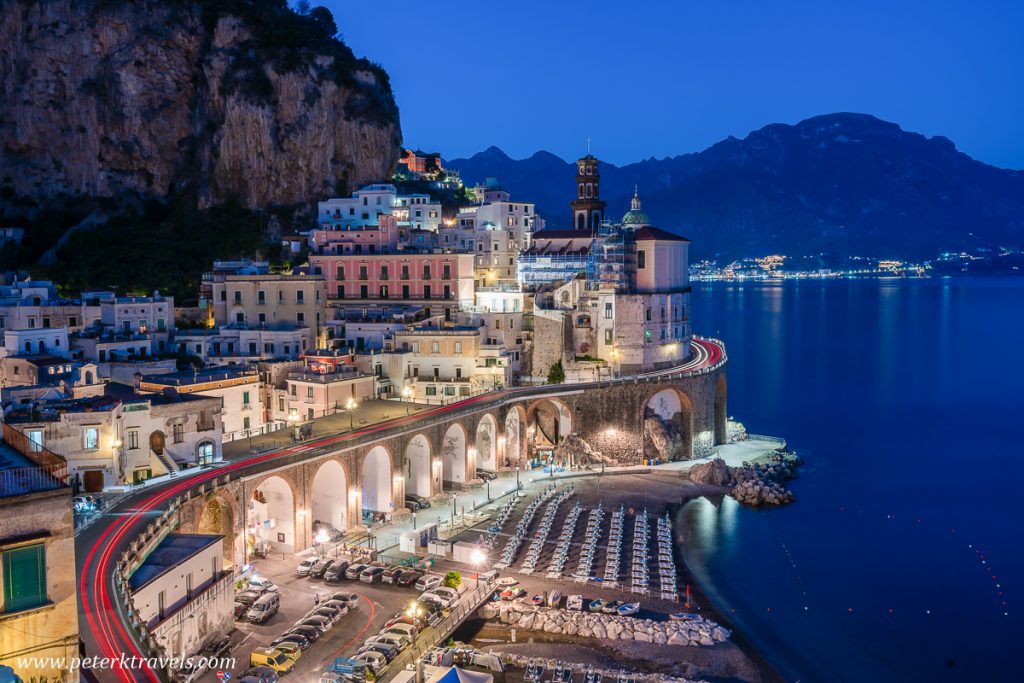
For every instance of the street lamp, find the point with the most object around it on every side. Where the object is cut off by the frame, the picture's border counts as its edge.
(321, 539)
(477, 557)
(350, 406)
(293, 421)
(407, 395)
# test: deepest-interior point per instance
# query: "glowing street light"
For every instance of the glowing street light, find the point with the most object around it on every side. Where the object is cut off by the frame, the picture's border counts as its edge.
(350, 406)
(477, 558)
(407, 395)
(321, 539)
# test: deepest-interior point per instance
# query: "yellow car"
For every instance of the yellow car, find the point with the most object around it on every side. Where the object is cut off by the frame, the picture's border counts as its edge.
(273, 658)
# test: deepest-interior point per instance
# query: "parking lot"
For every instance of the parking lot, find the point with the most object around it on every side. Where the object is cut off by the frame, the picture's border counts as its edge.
(377, 604)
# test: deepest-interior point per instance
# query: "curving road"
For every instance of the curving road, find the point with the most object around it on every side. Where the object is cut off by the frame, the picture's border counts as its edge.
(104, 619)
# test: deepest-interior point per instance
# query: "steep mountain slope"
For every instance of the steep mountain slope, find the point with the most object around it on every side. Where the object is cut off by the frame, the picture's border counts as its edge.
(840, 184)
(108, 106)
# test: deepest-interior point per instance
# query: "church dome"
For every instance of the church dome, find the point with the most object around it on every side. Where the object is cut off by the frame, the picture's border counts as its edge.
(636, 215)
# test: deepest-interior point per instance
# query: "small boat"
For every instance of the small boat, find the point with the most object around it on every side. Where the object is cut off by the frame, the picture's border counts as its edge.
(596, 605)
(683, 616)
(538, 599)
(574, 602)
(629, 609)
(554, 597)
(611, 607)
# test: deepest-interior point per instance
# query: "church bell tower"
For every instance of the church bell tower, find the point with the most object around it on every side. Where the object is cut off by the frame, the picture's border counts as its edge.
(587, 208)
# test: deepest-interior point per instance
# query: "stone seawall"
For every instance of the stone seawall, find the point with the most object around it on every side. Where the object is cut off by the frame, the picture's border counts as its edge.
(520, 614)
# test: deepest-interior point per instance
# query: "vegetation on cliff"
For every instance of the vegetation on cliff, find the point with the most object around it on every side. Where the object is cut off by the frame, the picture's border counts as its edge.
(141, 137)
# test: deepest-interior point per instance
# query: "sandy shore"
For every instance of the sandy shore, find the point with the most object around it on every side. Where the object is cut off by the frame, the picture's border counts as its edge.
(659, 491)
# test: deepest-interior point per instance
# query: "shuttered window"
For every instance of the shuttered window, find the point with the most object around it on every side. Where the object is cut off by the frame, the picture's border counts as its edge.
(24, 577)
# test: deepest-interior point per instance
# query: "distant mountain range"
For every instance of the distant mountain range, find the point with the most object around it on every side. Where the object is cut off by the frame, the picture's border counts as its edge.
(838, 184)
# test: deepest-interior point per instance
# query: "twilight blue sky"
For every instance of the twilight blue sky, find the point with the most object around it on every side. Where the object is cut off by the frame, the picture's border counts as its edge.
(662, 78)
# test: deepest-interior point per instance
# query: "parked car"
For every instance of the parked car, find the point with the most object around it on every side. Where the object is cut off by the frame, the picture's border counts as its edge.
(416, 502)
(264, 608)
(403, 618)
(354, 570)
(391, 573)
(336, 572)
(371, 575)
(247, 597)
(320, 568)
(408, 577)
(324, 624)
(336, 604)
(428, 607)
(446, 596)
(217, 648)
(289, 648)
(407, 630)
(331, 612)
(306, 566)
(274, 659)
(240, 609)
(297, 638)
(395, 639)
(388, 651)
(428, 581)
(311, 632)
(372, 660)
(332, 533)
(258, 674)
(486, 475)
(347, 597)
(262, 585)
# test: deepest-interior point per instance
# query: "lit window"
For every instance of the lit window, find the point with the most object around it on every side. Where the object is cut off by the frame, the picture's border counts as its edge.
(91, 440)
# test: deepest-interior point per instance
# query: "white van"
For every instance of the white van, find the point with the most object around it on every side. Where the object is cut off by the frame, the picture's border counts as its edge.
(264, 608)
(428, 581)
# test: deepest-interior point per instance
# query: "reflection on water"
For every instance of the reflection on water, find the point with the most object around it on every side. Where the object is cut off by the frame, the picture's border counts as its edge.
(905, 398)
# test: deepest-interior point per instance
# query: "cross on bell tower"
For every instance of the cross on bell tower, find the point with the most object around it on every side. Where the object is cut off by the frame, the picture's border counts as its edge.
(587, 208)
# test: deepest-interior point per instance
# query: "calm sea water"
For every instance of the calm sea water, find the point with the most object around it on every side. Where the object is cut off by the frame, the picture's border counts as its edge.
(903, 558)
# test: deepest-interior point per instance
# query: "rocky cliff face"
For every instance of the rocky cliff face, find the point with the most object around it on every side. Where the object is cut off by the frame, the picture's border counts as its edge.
(111, 99)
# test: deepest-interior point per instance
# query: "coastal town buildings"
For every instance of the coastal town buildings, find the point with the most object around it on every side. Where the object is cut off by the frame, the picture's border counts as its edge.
(238, 388)
(183, 593)
(37, 559)
(121, 437)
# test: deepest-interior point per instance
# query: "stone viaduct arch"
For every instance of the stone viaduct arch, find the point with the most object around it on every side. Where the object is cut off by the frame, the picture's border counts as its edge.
(329, 494)
(434, 457)
(271, 516)
(417, 467)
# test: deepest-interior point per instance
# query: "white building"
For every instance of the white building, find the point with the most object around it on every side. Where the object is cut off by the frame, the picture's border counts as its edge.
(413, 212)
(238, 389)
(123, 437)
(183, 594)
(138, 313)
(52, 341)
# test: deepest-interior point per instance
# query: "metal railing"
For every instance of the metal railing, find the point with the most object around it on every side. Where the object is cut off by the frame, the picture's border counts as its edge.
(17, 481)
(438, 632)
(36, 452)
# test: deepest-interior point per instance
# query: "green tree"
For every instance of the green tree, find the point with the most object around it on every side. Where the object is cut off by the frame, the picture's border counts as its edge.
(556, 375)
(302, 7)
(453, 579)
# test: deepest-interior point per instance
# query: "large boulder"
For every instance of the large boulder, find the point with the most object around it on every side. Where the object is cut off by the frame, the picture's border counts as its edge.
(715, 472)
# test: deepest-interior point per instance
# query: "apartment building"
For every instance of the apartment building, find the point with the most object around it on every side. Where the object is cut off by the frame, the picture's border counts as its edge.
(238, 389)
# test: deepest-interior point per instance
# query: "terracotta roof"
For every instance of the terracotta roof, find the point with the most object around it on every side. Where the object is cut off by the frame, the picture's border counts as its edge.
(651, 233)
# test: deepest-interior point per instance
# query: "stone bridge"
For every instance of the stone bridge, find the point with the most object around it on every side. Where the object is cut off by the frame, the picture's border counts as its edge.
(339, 479)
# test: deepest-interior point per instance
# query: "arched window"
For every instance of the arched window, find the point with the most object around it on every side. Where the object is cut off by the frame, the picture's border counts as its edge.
(28, 347)
(580, 221)
(590, 190)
